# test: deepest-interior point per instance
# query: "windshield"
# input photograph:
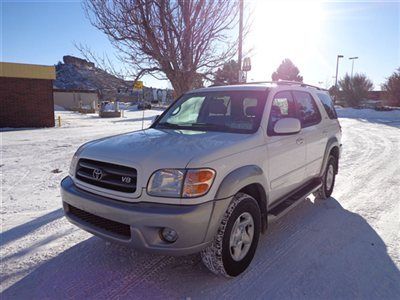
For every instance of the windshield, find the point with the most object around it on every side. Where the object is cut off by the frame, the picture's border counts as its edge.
(238, 112)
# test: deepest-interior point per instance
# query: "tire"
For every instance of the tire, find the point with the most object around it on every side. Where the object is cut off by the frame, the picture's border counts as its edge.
(328, 179)
(220, 257)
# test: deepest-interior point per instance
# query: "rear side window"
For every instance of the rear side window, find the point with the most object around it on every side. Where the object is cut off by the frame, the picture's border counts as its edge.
(328, 105)
(282, 107)
(307, 108)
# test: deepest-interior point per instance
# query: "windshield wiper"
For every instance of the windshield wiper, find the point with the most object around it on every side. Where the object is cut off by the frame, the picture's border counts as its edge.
(195, 125)
(168, 125)
(211, 125)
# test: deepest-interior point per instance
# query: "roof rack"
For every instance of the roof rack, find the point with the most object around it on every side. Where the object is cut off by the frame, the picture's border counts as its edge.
(286, 82)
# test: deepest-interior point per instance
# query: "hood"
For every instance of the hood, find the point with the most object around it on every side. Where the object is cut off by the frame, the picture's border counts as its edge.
(156, 149)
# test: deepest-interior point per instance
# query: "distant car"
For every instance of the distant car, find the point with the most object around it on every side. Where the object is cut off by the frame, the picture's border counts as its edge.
(124, 105)
(143, 105)
(383, 108)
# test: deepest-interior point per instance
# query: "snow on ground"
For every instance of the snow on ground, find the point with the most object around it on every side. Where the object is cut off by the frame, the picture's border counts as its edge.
(345, 247)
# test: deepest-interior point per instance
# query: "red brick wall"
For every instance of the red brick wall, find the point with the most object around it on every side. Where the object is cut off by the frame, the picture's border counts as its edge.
(26, 102)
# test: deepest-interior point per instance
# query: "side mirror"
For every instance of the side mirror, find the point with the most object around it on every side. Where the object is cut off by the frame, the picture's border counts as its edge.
(287, 126)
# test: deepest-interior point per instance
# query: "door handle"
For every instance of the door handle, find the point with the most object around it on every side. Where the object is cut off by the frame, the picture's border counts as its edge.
(324, 131)
(299, 141)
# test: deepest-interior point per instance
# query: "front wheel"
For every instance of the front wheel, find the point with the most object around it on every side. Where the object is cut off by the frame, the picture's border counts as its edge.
(236, 241)
(328, 180)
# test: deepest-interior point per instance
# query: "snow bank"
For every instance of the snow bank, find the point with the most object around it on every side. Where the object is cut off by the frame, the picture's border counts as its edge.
(371, 115)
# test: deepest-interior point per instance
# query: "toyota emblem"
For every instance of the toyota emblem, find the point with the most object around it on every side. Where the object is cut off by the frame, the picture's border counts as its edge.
(97, 174)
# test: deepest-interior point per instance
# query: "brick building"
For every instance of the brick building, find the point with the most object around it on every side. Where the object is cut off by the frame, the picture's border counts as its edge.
(26, 95)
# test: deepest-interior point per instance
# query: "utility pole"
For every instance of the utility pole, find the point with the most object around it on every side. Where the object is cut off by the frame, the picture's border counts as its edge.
(240, 39)
(337, 69)
(352, 64)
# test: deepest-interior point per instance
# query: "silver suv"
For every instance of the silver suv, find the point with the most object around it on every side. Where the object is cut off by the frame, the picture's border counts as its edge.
(209, 172)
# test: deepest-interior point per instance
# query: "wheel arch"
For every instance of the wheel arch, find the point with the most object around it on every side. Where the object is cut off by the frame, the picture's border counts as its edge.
(332, 148)
(257, 191)
(248, 179)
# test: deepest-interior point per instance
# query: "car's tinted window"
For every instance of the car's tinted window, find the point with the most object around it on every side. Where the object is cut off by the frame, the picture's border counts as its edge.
(282, 107)
(328, 105)
(307, 109)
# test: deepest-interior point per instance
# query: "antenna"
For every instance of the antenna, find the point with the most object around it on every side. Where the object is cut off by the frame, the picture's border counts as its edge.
(143, 119)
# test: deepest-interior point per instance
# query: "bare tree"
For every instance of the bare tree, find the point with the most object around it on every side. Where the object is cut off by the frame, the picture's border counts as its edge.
(179, 39)
(391, 88)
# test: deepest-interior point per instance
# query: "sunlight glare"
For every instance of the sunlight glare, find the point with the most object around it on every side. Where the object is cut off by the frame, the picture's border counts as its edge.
(285, 29)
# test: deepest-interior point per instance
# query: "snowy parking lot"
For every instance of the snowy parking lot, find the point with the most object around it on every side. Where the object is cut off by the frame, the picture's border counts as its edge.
(345, 247)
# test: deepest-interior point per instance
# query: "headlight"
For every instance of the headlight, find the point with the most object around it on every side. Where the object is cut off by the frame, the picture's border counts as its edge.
(74, 161)
(72, 166)
(166, 183)
(177, 183)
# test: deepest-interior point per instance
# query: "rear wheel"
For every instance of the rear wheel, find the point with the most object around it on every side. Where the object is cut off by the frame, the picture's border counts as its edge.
(328, 179)
(236, 241)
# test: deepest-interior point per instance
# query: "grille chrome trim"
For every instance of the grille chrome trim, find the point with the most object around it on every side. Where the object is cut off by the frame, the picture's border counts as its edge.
(110, 169)
(114, 177)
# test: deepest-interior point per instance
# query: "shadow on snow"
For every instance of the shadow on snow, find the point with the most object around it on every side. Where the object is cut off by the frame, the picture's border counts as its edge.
(317, 250)
(26, 228)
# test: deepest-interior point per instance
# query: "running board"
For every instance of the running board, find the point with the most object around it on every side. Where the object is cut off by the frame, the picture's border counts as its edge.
(293, 199)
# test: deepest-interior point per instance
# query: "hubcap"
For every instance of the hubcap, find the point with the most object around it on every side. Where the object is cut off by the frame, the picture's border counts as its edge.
(329, 177)
(241, 236)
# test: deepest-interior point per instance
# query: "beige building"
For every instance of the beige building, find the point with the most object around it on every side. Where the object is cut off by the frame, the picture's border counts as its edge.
(76, 99)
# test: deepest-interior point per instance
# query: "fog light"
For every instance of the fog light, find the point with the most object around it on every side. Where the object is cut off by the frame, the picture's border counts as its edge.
(169, 235)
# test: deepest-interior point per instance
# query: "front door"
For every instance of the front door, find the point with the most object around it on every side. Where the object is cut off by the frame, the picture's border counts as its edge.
(286, 153)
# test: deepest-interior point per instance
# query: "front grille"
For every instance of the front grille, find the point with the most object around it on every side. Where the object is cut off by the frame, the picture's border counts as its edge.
(117, 228)
(106, 175)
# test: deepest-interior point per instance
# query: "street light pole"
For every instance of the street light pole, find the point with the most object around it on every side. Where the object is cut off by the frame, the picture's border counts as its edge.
(240, 39)
(352, 64)
(337, 69)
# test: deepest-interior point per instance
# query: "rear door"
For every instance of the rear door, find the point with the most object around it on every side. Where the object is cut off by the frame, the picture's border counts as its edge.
(329, 115)
(286, 153)
(313, 130)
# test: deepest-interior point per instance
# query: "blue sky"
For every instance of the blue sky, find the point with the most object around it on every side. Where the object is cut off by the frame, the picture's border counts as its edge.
(312, 34)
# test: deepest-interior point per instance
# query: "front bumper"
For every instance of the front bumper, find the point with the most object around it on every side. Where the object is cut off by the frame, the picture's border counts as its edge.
(196, 225)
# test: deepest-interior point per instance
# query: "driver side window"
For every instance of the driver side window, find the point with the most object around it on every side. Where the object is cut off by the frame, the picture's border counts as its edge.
(282, 107)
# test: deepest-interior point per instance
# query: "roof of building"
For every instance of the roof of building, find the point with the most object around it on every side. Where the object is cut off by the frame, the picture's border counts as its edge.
(75, 91)
(17, 70)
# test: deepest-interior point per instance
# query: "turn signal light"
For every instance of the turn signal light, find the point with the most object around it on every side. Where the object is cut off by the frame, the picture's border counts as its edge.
(198, 182)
